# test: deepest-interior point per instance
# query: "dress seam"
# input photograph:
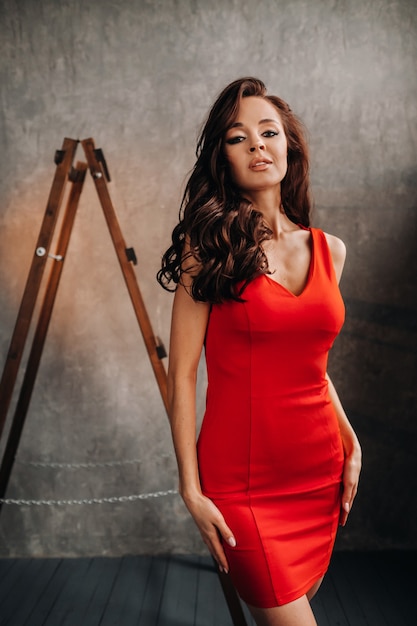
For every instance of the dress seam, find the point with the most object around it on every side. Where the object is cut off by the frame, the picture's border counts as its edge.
(248, 492)
(264, 552)
(248, 483)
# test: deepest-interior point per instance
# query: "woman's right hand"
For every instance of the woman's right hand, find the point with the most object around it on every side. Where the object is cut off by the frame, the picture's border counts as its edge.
(212, 527)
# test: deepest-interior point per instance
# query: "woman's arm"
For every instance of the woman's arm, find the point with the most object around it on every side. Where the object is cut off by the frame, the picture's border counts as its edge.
(353, 455)
(189, 323)
(351, 446)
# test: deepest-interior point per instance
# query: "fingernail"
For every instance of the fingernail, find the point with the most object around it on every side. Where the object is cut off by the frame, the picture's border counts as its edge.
(231, 541)
(346, 507)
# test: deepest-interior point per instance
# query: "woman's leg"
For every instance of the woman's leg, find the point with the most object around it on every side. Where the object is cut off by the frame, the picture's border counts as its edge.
(296, 613)
(312, 592)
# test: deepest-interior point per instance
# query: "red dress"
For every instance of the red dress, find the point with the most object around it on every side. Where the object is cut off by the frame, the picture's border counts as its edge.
(270, 452)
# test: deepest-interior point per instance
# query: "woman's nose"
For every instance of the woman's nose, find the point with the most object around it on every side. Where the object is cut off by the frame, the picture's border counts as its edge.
(258, 144)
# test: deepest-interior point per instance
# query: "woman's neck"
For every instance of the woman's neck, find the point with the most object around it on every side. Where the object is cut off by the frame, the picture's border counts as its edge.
(268, 202)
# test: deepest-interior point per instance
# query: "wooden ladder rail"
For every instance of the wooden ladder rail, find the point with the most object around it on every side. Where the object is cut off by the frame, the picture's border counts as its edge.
(63, 161)
(77, 177)
(126, 257)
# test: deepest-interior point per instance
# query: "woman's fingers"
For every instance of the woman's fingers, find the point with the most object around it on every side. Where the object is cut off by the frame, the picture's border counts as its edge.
(347, 500)
(215, 547)
(213, 529)
(219, 531)
(225, 533)
(350, 487)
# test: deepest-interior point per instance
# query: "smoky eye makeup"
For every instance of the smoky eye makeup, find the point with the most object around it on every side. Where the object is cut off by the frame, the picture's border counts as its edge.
(234, 140)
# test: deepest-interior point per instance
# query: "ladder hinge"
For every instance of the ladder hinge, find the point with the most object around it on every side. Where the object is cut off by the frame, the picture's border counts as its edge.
(160, 349)
(131, 256)
(59, 156)
(100, 158)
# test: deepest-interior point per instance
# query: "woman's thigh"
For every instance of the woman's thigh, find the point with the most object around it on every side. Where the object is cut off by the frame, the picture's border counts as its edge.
(296, 613)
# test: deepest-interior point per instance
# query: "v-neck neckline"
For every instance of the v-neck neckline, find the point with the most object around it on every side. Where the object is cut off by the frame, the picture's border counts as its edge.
(309, 274)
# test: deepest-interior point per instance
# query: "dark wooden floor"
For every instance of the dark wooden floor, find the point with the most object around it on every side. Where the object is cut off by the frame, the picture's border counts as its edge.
(366, 589)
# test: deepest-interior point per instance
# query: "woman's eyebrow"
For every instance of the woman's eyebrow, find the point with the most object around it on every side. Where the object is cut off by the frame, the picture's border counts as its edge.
(267, 120)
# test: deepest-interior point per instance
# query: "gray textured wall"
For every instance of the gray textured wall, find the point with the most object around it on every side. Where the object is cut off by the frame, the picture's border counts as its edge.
(139, 76)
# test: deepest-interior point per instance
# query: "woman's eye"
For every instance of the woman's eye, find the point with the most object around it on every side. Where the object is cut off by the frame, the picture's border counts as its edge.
(270, 133)
(233, 140)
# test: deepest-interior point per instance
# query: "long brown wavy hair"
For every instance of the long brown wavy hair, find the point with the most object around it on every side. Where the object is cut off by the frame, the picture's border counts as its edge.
(223, 231)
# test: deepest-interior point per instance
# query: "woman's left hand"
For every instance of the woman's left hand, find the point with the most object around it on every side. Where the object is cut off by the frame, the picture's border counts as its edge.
(351, 471)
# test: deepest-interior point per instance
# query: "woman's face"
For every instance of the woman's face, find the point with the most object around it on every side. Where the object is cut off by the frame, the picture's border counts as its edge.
(256, 146)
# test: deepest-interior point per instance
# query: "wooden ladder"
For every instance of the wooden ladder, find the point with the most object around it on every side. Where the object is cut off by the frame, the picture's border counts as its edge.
(66, 172)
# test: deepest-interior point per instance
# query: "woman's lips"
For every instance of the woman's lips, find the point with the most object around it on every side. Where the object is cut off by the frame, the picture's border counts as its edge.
(259, 164)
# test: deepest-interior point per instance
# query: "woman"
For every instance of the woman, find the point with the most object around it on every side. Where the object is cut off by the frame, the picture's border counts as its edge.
(277, 463)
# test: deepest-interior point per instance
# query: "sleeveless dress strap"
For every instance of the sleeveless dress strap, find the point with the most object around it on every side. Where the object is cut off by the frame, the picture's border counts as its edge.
(324, 260)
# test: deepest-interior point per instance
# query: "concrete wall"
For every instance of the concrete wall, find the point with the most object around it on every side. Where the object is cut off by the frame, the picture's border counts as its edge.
(139, 76)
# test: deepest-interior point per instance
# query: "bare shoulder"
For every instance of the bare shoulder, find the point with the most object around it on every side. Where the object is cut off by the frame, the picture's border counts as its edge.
(338, 251)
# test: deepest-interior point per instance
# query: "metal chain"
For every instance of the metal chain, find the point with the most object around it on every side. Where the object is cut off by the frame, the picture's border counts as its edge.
(111, 500)
(41, 464)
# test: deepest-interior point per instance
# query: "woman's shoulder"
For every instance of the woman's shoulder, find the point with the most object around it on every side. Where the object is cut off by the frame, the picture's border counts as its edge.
(338, 252)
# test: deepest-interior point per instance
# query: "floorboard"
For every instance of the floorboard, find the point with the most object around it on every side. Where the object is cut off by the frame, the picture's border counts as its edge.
(54, 592)
(125, 601)
(360, 589)
(397, 572)
(178, 606)
(343, 593)
(72, 593)
(154, 592)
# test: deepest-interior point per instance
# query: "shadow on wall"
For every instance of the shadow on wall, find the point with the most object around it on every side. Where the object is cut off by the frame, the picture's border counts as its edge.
(376, 367)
